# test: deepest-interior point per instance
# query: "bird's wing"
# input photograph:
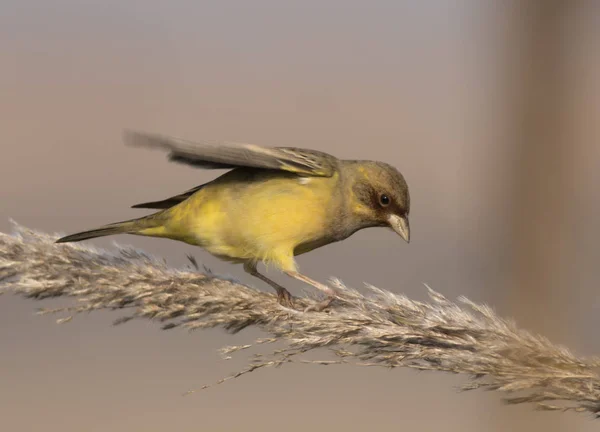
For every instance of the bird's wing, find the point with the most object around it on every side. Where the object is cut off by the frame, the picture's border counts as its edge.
(222, 154)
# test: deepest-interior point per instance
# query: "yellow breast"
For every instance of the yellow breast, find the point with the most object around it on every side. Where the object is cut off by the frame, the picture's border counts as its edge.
(264, 219)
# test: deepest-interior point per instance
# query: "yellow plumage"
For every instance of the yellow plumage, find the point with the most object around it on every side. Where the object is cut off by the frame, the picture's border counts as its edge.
(261, 220)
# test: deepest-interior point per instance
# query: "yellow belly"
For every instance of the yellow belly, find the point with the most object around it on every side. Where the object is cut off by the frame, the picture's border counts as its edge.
(263, 220)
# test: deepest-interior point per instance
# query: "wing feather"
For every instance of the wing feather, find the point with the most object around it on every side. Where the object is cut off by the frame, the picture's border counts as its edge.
(225, 155)
(169, 202)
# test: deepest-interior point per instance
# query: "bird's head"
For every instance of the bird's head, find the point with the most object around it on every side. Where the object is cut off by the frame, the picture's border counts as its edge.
(380, 196)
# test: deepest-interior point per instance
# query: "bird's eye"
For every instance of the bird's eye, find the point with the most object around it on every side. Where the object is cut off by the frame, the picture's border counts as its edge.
(384, 200)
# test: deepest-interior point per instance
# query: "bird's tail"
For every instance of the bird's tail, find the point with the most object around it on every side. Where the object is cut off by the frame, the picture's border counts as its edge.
(151, 225)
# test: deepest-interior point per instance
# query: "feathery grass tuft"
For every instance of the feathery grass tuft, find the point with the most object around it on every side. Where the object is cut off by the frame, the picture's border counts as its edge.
(381, 329)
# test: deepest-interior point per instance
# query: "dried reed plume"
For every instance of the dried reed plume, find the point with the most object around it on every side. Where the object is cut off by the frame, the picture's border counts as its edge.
(381, 329)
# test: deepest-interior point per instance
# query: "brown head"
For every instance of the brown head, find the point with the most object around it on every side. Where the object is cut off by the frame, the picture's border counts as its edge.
(379, 196)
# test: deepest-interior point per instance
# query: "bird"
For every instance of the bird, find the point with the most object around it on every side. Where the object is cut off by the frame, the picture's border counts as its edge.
(271, 205)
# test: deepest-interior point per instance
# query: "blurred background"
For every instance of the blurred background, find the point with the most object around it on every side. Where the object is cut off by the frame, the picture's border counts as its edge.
(490, 109)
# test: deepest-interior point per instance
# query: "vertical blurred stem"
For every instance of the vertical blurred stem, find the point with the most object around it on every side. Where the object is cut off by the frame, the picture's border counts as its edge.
(542, 180)
(539, 179)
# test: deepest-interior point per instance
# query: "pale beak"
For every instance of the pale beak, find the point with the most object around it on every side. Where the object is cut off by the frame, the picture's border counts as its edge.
(401, 226)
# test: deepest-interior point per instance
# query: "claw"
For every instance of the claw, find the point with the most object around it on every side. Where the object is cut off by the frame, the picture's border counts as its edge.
(320, 306)
(285, 299)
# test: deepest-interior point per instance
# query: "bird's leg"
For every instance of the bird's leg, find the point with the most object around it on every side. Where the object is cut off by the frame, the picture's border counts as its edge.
(283, 296)
(321, 287)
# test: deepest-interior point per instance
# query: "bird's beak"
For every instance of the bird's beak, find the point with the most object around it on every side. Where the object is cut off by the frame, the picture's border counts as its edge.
(401, 226)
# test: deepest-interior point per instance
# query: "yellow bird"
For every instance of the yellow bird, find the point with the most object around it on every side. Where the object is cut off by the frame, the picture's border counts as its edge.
(272, 204)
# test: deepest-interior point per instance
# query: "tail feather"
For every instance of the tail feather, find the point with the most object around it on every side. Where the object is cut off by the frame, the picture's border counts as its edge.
(133, 226)
(85, 235)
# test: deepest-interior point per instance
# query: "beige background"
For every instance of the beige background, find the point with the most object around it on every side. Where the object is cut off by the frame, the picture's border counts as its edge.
(490, 109)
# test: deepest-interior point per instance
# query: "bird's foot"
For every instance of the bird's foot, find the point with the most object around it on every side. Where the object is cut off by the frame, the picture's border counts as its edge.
(284, 298)
(320, 306)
